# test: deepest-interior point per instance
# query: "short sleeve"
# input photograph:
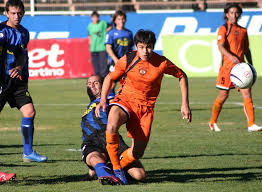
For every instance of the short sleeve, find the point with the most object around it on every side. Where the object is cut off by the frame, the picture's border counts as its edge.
(109, 38)
(221, 35)
(120, 68)
(172, 69)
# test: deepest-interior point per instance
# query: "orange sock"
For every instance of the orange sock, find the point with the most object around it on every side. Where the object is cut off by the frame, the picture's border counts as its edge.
(217, 106)
(112, 140)
(126, 158)
(249, 111)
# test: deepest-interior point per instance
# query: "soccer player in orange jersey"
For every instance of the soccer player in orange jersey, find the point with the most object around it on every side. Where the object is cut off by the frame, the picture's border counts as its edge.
(136, 97)
(233, 44)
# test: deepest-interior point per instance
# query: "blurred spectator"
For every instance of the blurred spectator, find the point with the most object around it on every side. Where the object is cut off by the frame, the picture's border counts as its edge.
(96, 34)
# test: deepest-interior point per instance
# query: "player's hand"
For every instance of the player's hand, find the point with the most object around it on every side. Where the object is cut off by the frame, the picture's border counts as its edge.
(186, 113)
(235, 60)
(15, 72)
(102, 105)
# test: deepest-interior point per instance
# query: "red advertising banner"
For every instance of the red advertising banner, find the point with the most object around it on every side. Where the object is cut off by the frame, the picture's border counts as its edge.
(59, 58)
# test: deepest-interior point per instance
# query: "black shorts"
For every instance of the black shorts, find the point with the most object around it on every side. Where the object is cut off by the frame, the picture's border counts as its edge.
(15, 92)
(97, 142)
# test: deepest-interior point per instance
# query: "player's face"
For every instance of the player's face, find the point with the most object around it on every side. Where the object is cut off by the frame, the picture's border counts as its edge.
(144, 51)
(94, 19)
(120, 22)
(15, 15)
(93, 84)
(233, 15)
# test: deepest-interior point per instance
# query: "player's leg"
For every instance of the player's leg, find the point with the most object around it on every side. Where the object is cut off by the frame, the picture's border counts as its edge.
(97, 161)
(95, 62)
(136, 170)
(117, 116)
(216, 109)
(249, 110)
(93, 154)
(103, 64)
(27, 129)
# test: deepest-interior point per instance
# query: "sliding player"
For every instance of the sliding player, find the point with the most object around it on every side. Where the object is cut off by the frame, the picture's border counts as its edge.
(94, 142)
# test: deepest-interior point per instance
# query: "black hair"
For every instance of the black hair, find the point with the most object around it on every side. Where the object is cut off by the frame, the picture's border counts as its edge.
(146, 37)
(95, 13)
(229, 6)
(14, 3)
(119, 13)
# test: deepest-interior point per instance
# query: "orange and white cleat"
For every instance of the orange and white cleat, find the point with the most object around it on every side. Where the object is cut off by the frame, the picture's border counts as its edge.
(214, 127)
(4, 177)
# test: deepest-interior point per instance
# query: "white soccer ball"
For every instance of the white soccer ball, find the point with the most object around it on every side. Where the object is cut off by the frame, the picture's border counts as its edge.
(243, 75)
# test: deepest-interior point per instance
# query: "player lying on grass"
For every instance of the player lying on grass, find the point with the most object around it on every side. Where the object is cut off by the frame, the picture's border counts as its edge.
(94, 143)
(135, 100)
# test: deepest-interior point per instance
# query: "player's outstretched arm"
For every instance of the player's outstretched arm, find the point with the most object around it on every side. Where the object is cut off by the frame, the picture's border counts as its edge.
(107, 84)
(185, 109)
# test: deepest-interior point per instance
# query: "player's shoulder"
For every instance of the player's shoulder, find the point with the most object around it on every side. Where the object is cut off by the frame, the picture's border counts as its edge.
(242, 28)
(127, 30)
(22, 29)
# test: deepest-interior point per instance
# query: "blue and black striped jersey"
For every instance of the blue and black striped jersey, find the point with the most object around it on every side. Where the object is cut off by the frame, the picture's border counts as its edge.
(10, 44)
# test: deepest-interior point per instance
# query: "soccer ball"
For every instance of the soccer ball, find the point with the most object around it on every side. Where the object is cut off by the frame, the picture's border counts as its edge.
(243, 75)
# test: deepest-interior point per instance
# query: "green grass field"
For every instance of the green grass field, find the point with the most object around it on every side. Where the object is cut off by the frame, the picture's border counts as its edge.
(179, 157)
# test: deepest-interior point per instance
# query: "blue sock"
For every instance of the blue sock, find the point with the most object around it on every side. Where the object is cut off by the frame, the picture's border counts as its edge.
(27, 129)
(102, 170)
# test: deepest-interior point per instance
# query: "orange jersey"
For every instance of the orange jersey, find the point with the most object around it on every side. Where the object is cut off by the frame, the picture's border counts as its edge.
(236, 42)
(143, 82)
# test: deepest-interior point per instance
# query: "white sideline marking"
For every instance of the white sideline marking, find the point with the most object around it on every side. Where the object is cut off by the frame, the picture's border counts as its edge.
(72, 149)
(158, 103)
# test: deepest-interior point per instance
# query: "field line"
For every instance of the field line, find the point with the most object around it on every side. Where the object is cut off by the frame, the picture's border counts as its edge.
(158, 103)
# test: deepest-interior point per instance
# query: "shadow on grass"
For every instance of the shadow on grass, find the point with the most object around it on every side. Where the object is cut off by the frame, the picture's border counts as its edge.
(200, 155)
(204, 175)
(15, 165)
(53, 179)
(39, 145)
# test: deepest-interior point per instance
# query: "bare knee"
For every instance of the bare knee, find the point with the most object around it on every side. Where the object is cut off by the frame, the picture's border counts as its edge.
(28, 110)
(137, 173)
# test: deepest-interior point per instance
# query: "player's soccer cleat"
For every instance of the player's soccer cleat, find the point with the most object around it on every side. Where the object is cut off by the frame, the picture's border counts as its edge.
(109, 180)
(4, 177)
(35, 157)
(214, 127)
(254, 128)
(120, 174)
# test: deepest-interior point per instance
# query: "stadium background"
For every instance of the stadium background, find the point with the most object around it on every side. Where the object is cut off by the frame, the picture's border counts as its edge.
(59, 45)
(179, 157)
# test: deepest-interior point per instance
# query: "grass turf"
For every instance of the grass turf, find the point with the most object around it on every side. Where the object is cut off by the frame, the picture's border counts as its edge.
(179, 157)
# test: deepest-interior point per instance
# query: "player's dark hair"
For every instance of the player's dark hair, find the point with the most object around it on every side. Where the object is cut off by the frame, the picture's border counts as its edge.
(14, 3)
(229, 6)
(146, 37)
(89, 92)
(95, 13)
(119, 13)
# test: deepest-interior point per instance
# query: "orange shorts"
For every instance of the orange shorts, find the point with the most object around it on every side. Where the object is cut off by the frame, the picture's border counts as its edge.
(140, 117)
(223, 79)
